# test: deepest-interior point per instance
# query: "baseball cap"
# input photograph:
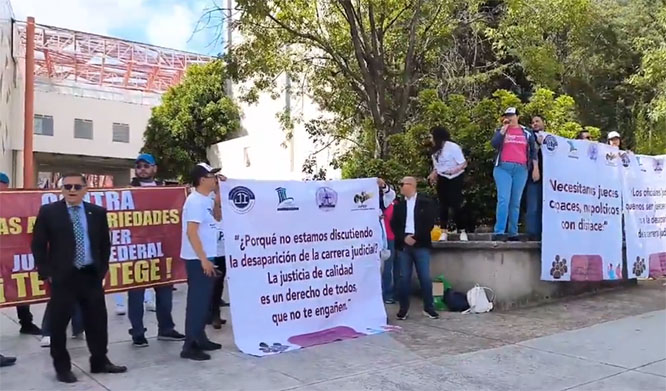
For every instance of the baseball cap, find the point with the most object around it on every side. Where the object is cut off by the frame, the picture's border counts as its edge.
(613, 135)
(4, 178)
(201, 170)
(510, 111)
(146, 157)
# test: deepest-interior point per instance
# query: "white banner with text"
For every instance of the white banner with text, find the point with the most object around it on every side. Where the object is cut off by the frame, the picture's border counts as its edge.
(644, 183)
(582, 210)
(303, 262)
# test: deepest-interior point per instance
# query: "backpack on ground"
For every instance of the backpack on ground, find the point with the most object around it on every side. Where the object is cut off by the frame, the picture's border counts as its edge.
(478, 300)
(455, 301)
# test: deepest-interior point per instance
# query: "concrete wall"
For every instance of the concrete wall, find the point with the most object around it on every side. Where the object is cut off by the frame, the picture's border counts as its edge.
(511, 270)
(272, 154)
(65, 108)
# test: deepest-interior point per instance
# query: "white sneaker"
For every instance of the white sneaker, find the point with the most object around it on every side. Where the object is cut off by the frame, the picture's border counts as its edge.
(120, 309)
(45, 342)
(463, 236)
(443, 237)
(150, 306)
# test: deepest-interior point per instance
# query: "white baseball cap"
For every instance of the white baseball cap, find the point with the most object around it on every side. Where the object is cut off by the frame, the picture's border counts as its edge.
(613, 135)
(510, 111)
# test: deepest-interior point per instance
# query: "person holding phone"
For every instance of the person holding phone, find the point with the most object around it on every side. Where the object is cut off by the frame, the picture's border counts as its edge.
(516, 157)
(201, 214)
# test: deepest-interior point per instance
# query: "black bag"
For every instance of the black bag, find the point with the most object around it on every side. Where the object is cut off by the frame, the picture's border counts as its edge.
(455, 301)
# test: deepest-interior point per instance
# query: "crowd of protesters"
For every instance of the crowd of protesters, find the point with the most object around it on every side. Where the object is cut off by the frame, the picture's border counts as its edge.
(408, 223)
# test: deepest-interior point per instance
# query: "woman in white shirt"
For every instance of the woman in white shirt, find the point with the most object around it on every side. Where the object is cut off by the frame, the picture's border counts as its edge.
(447, 175)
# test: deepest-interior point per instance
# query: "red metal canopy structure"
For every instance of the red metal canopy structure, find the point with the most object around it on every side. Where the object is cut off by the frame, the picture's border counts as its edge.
(74, 56)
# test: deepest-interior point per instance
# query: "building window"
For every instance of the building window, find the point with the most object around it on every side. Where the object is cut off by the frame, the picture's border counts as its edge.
(43, 125)
(120, 133)
(83, 128)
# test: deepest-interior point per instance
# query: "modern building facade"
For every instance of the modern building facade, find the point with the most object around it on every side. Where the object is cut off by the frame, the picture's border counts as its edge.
(93, 97)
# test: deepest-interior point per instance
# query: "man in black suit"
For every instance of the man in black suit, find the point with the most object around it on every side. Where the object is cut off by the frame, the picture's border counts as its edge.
(413, 220)
(71, 246)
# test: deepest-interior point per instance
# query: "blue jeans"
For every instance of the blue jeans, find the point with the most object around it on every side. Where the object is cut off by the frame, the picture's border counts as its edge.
(390, 274)
(510, 179)
(199, 294)
(163, 304)
(420, 258)
(534, 196)
(77, 321)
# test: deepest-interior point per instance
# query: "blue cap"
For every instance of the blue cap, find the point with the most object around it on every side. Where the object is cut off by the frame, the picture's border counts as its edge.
(146, 157)
(4, 178)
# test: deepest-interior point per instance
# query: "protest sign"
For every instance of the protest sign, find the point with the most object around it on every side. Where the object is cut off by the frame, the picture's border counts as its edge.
(644, 196)
(303, 262)
(582, 211)
(145, 225)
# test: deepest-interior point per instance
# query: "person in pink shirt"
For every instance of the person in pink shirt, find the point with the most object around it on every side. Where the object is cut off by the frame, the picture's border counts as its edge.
(516, 157)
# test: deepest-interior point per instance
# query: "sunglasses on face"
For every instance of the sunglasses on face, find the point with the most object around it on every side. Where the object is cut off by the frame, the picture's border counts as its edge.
(140, 166)
(401, 184)
(72, 187)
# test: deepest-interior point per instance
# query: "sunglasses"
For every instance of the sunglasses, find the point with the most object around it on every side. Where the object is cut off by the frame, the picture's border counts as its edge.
(72, 187)
(140, 166)
(401, 184)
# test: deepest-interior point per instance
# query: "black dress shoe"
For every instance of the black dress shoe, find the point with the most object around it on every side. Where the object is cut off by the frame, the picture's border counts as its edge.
(66, 377)
(208, 345)
(109, 368)
(30, 329)
(194, 354)
(6, 361)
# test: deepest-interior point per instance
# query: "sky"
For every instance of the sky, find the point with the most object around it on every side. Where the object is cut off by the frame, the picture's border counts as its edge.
(168, 23)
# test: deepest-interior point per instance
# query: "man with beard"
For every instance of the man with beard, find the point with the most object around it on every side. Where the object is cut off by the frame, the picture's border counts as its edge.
(146, 169)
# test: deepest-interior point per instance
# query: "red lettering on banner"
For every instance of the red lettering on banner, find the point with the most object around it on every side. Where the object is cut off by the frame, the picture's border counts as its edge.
(145, 238)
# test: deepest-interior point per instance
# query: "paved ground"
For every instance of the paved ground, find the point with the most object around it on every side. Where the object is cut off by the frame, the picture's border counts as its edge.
(609, 341)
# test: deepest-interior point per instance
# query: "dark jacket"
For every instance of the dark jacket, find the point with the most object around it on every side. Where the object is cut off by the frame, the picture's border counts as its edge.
(53, 243)
(424, 221)
(498, 143)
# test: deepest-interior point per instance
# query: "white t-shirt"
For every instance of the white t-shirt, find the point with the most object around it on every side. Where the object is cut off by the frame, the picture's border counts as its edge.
(148, 184)
(198, 208)
(447, 159)
(220, 232)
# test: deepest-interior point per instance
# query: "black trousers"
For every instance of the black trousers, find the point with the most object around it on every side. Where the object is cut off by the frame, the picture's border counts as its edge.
(449, 193)
(218, 288)
(85, 288)
(24, 315)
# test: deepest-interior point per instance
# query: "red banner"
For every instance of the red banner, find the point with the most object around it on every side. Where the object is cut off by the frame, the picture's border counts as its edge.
(145, 229)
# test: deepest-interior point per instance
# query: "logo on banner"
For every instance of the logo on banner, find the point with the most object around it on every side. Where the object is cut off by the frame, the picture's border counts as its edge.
(593, 151)
(611, 159)
(285, 202)
(327, 198)
(551, 143)
(640, 164)
(361, 200)
(242, 199)
(573, 151)
(626, 161)
(658, 165)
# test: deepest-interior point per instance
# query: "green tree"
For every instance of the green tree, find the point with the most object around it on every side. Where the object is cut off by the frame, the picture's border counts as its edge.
(363, 61)
(193, 115)
(471, 124)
